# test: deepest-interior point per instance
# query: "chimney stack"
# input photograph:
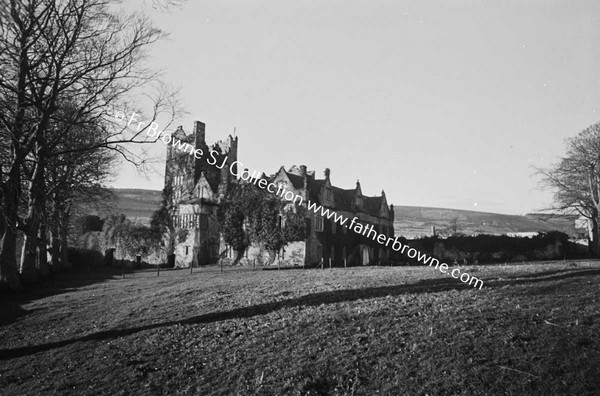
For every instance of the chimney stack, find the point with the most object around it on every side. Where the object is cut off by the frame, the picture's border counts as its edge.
(200, 132)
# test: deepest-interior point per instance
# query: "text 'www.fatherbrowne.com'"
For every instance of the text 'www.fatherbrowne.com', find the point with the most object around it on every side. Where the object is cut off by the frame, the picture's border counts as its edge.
(361, 229)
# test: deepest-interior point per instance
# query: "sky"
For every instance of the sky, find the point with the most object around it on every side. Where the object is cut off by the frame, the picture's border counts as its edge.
(439, 103)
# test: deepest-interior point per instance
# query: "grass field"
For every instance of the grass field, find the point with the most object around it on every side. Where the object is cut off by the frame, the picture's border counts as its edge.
(532, 329)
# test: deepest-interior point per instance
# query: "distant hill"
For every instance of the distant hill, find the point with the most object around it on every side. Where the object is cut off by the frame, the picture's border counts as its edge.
(415, 221)
(411, 221)
(136, 203)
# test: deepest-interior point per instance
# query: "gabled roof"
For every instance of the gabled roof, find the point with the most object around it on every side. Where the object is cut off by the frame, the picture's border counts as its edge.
(297, 181)
(372, 205)
(314, 187)
(344, 199)
(214, 185)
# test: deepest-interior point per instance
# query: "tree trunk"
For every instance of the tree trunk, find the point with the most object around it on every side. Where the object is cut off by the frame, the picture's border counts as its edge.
(9, 275)
(239, 254)
(64, 245)
(27, 267)
(55, 235)
(11, 183)
(42, 251)
(594, 243)
(29, 251)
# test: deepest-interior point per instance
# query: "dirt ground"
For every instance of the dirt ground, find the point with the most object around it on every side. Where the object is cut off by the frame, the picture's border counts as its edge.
(532, 329)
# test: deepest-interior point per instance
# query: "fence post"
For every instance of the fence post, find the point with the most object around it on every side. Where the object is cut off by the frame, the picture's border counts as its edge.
(254, 264)
(122, 268)
(158, 270)
(329, 262)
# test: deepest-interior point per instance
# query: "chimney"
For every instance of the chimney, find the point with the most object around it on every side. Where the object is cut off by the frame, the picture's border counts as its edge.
(327, 172)
(302, 170)
(200, 132)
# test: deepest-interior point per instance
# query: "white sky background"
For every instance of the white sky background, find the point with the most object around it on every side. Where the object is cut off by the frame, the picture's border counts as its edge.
(445, 103)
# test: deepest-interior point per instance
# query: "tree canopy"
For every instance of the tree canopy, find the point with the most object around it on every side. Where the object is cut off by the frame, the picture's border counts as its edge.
(575, 180)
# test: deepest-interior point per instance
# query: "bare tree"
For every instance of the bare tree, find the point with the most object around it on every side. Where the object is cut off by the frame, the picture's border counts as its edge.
(59, 53)
(575, 180)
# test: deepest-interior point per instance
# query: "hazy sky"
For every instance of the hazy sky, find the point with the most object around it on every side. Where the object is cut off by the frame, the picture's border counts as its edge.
(446, 103)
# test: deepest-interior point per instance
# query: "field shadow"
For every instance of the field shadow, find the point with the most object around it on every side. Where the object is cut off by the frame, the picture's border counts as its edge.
(315, 299)
(11, 304)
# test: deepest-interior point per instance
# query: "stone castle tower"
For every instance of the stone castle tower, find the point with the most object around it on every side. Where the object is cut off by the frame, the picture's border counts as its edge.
(198, 186)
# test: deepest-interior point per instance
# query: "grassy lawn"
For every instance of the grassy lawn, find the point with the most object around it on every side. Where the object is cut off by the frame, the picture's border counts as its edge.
(532, 329)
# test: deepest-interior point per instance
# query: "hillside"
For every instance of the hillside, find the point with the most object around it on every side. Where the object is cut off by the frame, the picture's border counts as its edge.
(411, 221)
(414, 221)
(136, 204)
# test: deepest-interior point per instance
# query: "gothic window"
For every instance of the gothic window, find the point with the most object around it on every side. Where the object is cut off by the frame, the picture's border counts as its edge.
(318, 223)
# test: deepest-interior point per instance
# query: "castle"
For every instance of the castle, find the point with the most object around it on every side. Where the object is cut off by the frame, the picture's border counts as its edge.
(198, 188)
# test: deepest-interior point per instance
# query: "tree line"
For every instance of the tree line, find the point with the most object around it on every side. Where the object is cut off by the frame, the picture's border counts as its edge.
(65, 65)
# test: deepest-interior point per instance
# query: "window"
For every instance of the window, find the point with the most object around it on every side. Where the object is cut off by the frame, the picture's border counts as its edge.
(318, 223)
(187, 250)
(203, 221)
